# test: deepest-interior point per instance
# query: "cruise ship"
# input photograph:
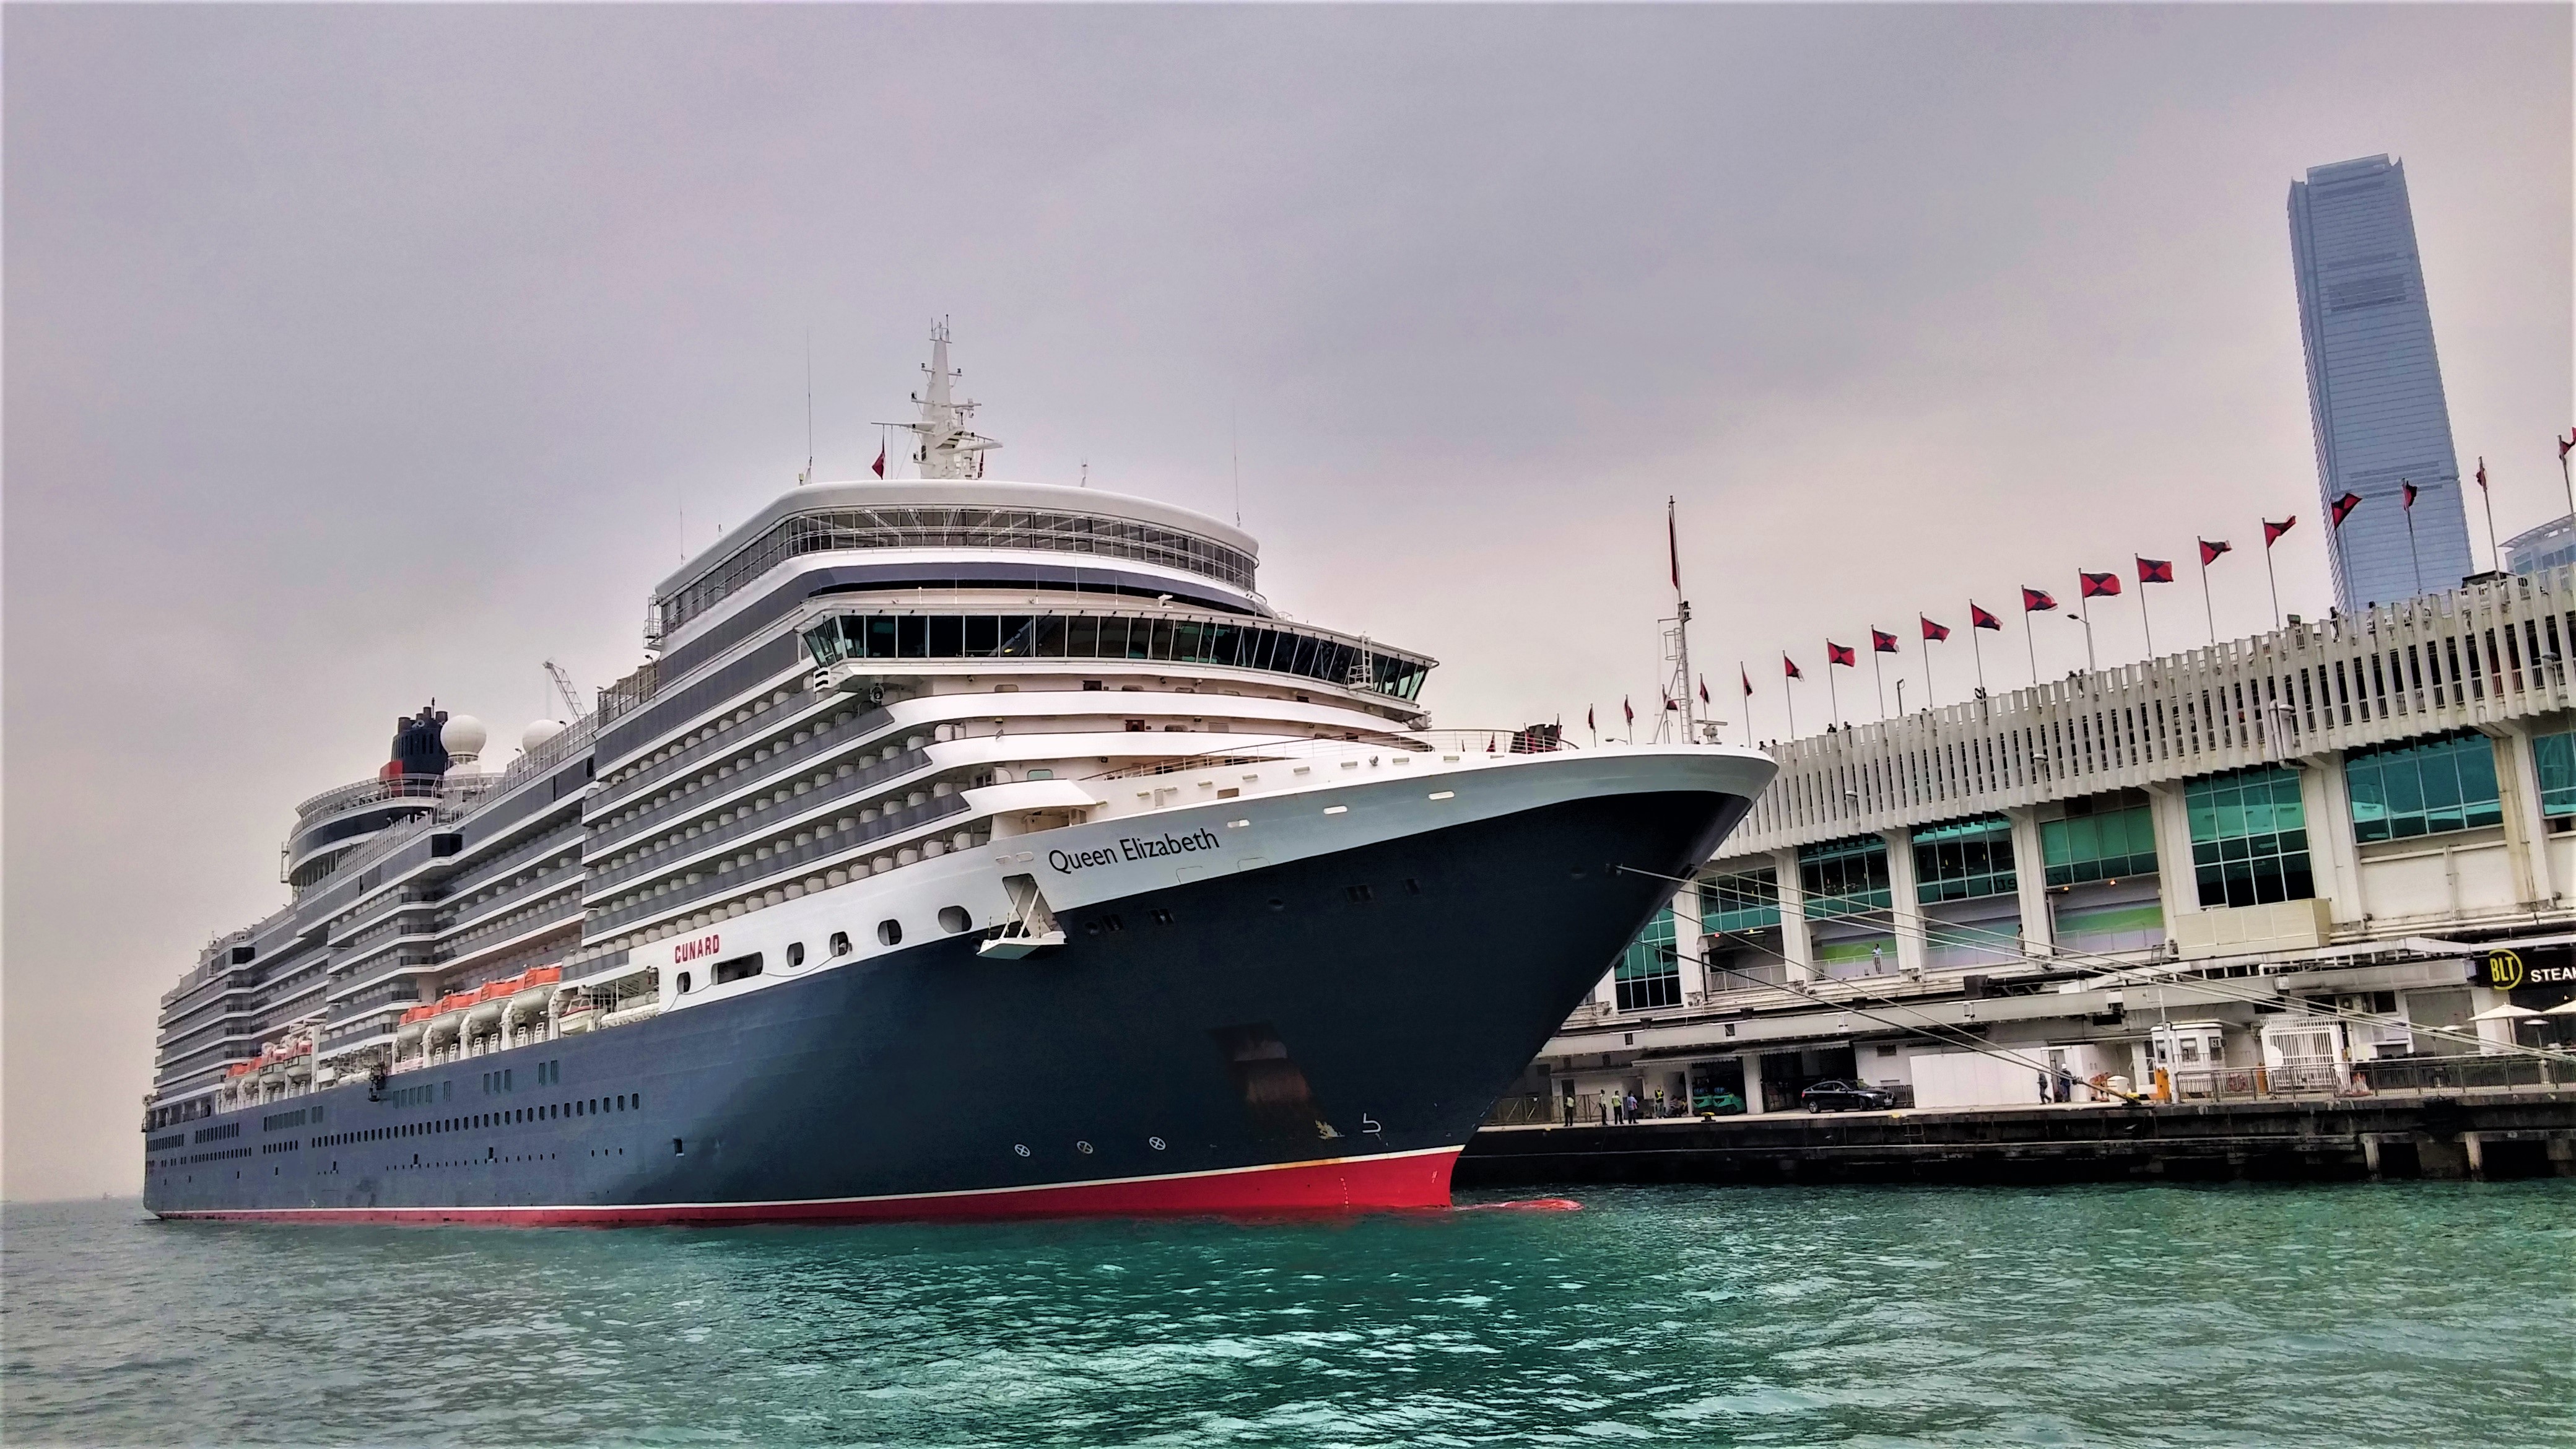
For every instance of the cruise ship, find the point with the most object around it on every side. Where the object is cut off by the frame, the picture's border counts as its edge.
(962, 848)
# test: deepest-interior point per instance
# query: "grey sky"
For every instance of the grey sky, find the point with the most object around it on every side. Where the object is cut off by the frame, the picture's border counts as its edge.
(359, 355)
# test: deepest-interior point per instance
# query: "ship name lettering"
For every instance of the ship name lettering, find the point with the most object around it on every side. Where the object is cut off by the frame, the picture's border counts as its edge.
(692, 950)
(1132, 847)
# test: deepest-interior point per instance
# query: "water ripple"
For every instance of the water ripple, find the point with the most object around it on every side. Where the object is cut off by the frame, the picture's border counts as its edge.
(2417, 1315)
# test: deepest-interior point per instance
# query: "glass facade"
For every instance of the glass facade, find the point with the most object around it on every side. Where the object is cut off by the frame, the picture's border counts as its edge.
(2105, 845)
(2432, 788)
(1159, 637)
(1963, 860)
(2375, 396)
(2554, 758)
(1748, 901)
(1844, 877)
(2249, 837)
(1650, 973)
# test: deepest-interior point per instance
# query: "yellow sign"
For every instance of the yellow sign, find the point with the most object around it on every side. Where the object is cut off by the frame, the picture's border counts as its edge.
(2504, 970)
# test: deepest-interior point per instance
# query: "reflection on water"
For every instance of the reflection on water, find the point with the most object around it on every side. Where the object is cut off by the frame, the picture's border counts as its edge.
(2398, 1314)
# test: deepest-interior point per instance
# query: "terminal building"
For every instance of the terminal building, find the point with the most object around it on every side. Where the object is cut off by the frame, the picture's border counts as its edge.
(2338, 857)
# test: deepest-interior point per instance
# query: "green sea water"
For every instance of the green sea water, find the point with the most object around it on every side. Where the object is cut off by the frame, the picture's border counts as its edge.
(2399, 1314)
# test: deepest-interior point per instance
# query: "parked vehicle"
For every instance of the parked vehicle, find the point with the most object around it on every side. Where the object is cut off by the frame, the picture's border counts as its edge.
(1717, 1104)
(1846, 1097)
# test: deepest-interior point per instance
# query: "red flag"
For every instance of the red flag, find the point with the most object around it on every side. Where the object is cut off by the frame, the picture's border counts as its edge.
(2209, 551)
(1747, 676)
(2034, 600)
(2566, 445)
(2344, 506)
(1882, 641)
(1588, 721)
(1791, 665)
(1841, 654)
(2410, 490)
(1703, 689)
(1980, 619)
(2155, 571)
(2095, 585)
(2272, 531)
(2482, 475)
(879, 465)
(1932, 630)
(1627, 709)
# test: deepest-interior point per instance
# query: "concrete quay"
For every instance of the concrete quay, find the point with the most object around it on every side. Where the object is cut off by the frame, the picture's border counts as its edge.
(2469, 1134)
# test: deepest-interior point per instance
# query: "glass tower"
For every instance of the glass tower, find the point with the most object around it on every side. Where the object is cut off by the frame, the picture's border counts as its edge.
(2374, 385)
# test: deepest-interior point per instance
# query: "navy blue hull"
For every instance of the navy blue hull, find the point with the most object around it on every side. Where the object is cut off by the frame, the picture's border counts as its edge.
(1226, 1026)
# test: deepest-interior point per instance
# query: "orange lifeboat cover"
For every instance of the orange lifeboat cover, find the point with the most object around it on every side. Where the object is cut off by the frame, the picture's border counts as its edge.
(543, 975)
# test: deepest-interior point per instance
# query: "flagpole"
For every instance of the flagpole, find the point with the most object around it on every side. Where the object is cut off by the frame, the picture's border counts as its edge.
(1745, 677)
(1791, 696)
(2495, 555)
(2269, 576)
(2144, 622)
(2029, 641)
(1877, 674)
(1976, 646)
(2084, 613)
(2412, 556)
(2207, 607)
(2563, 479)
(1929, 698)
(1833, 696)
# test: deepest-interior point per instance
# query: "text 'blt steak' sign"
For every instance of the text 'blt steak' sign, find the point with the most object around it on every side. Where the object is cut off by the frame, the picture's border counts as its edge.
(1132, 848)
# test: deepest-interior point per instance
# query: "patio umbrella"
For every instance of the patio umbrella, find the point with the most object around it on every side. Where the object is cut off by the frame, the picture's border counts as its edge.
(2506, 1012)
(2564, 1008)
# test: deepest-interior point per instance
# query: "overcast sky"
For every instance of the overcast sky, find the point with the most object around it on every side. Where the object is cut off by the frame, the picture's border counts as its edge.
(360, 355)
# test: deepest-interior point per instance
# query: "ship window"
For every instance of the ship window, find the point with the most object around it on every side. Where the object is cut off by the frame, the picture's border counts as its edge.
(889, 933)
(913, 637)
(954, 919)
(795, 954)
(840, 943)
(737, 968)
(684, 983)
(677, 1149)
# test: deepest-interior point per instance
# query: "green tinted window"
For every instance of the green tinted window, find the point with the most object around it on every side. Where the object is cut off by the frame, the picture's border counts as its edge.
(1844, 877)
(2249, 837)
(1964, 860)
(2423, 789)
(1748, 901)
(2555, 757)
(1650, 973)
(2105, 845)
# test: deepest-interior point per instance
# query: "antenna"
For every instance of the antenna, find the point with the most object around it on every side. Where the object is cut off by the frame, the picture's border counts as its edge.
(808, 475)
(1234, 449)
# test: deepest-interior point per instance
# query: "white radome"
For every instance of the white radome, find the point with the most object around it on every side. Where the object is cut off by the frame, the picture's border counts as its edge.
(463, 737)
(537, 733)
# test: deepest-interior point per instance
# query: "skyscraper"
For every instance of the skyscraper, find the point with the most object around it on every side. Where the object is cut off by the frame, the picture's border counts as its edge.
(2374, 385)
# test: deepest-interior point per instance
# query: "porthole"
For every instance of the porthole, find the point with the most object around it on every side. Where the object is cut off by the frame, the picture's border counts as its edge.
(1277, 904)
(889, 933)
(954, 919)
(840, 943)
(1021, 1148)
(795, 954)
(684, 983)
(1083, 1147)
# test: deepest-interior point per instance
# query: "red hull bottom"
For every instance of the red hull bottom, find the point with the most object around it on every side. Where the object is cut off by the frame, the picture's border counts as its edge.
(1408, 1181)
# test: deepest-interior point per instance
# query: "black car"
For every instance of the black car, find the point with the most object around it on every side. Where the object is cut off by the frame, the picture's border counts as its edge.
(1846, 1097)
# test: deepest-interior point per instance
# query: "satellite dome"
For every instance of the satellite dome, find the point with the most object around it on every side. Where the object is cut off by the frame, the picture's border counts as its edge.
(537, 733)
(463, 736)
